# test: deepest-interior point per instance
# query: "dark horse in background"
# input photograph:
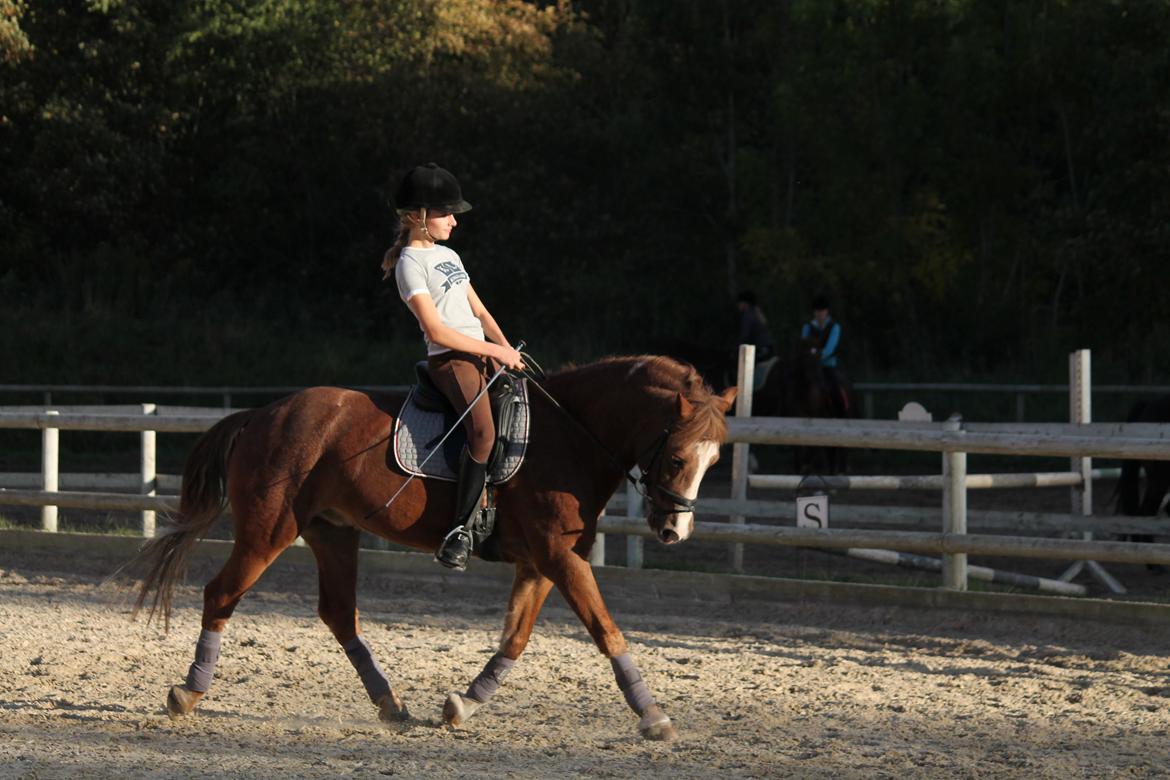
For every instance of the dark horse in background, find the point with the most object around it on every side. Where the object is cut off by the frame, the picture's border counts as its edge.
(717, 364)
(1131, 500)
(796, 386)
(317, 465)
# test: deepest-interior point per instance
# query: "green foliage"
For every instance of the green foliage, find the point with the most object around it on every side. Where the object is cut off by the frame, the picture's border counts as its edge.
(980, 186)
(14, 44)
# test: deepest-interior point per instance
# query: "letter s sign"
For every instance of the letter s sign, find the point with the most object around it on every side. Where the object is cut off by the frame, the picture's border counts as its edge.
(812, 512)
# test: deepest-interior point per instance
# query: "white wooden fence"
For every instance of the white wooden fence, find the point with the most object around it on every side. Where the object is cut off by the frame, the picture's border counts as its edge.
(1080, 440)
(953, 440)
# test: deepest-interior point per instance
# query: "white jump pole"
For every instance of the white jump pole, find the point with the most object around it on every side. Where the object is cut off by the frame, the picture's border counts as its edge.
(50, 472)
(1080, 411)
(149, 471)
(745, 381)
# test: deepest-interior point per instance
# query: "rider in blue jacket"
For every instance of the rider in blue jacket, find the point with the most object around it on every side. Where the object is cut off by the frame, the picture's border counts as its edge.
(825, 333)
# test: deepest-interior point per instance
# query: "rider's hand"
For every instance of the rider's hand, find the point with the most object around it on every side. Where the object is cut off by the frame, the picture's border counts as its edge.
(510, 358)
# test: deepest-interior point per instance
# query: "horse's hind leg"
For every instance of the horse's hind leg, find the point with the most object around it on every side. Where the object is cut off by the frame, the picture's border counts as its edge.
(336, 551)
(220, 597)
(529, 590)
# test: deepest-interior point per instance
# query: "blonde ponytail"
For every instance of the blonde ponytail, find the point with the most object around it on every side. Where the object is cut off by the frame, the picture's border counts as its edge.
(390, 259)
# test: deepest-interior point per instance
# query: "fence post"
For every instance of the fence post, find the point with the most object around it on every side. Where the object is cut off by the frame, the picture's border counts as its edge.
(745, 381)
(954, 565)
(634, 549)
(50, 471)
(149, 472)
(597, 554)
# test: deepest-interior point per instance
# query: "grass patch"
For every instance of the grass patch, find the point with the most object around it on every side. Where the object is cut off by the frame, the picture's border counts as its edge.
(110, 525)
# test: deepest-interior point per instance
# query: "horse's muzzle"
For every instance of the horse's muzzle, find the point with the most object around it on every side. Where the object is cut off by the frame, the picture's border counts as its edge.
(668, 536)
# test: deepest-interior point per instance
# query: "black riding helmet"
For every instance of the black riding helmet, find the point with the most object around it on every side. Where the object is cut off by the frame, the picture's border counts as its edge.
(432, 188)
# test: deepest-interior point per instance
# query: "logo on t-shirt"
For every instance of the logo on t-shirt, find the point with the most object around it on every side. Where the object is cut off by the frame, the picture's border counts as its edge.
(453, 272)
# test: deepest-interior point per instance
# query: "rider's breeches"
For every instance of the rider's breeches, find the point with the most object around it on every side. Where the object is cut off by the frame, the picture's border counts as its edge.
(461, 376)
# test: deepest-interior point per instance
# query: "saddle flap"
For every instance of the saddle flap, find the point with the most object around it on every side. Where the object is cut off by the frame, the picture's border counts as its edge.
(426, 393)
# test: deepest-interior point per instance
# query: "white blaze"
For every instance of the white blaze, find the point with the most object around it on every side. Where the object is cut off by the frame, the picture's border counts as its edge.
(705, 454)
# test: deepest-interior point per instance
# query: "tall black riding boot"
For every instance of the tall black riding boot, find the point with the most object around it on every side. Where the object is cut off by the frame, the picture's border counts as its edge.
(455, 550)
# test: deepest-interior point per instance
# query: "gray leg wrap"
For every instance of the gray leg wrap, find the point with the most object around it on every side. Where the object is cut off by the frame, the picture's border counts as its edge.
(484, 687)
(359, 655)
(206, 654)
(630, 681)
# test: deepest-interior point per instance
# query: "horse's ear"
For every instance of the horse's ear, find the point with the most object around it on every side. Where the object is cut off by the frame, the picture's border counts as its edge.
(728, 398)
(685, 407)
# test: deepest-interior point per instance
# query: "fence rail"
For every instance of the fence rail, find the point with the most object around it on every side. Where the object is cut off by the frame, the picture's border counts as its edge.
(925, 482)
(849, 515)
(914, 541)
(1107, 440)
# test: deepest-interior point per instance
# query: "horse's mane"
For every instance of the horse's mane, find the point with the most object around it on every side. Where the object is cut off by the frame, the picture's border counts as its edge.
(665, 377)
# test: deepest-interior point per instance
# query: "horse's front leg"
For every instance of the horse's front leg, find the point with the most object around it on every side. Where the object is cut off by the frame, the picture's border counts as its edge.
(529, 590)
(574, 578)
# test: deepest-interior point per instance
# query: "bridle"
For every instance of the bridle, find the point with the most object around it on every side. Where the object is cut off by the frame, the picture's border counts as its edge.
(675, 503)
(679, 503)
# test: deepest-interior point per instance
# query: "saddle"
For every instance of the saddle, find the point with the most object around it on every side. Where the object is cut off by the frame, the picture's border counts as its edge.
(427, 415)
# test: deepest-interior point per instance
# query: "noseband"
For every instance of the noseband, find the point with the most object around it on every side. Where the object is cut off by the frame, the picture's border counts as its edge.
(678, 503)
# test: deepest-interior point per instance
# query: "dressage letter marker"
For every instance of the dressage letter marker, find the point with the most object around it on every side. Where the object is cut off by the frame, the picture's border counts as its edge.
(812, 512)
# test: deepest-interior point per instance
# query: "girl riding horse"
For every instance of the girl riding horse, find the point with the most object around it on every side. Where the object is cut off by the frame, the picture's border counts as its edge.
(435, 285)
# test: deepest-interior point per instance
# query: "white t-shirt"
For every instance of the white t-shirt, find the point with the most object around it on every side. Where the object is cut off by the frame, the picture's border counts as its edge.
(439, 272)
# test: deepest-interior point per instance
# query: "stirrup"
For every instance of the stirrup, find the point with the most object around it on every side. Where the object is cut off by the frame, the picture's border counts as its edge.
(455, 559)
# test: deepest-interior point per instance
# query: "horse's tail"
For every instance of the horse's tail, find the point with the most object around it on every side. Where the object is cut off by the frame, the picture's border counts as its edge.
(203, 499)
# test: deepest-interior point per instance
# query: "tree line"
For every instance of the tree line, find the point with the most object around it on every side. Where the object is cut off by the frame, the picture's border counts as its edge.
(201, 191)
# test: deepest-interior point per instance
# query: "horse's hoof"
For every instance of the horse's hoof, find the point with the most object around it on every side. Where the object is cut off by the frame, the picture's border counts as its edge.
(656, 726)
(458, 710)
(181, 700)
(392, 710)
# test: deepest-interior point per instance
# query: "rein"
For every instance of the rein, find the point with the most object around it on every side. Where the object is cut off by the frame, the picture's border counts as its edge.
(678, 503)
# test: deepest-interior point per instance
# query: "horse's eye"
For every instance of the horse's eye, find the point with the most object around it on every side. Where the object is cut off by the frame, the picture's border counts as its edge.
(677, 463)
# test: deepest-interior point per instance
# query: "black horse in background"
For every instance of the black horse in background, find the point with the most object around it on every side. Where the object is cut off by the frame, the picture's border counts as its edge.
(796, 386)
(1131, 500)
(718, 365)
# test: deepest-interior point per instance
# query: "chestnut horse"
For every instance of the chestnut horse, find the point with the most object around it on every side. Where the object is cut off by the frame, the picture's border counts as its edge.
(316, 464)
